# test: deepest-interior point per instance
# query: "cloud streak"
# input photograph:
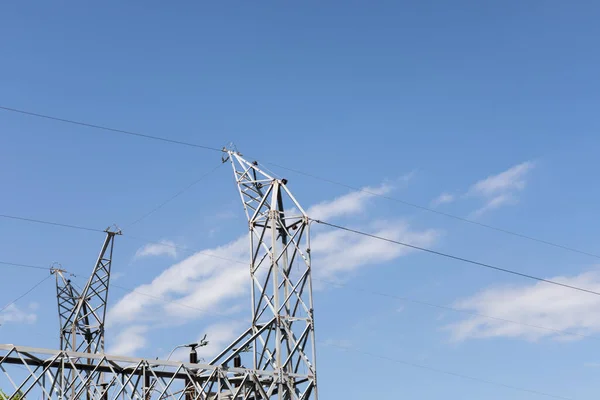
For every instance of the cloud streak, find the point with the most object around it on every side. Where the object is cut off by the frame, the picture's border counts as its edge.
(207, 283)
(501, 189)
(540, 304)
(164, 247)
(129, 341)
(443, 198)
(14, 314)
(496, 190)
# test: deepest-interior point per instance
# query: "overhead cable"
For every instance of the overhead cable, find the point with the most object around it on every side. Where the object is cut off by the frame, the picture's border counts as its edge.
(398, 200)
(466, 260)
(441, 371)
(24, 266)
(39, 221)
(179, 193)
(327, 282)
(449, 308)
(453, 257)
(431, 210)
(143, 135)
(26, 293)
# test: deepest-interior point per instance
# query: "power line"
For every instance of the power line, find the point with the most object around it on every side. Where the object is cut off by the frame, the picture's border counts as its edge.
(24, 266)
(431, 210)
(26, 293)
(179, 193)
(143, 135)
(441, 371)
(328, 282)
(356, 232)
(466, 260)
(395, 199)
(39, 221)
(145, 241)
(345, 348)
(458, 310)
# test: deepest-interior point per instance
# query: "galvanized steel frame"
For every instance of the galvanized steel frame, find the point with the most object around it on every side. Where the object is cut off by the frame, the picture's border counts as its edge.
(282, 335)
(82, 315)
(273, 359)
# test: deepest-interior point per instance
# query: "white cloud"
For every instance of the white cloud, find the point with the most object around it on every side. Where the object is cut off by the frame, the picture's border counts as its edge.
(208, 282)
(443, 198)
(501, 189)
(164, 247)
(13, 314)
(179, 284)
(494, 203)
(129, 341)
(495, 190)
(533, 306)
(351, 203)
(511, 179)
(339, 251)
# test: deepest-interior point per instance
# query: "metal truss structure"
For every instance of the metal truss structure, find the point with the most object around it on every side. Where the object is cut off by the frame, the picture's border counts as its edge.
(99, 376)
(82, 315)
(273, 359)
(282, 336)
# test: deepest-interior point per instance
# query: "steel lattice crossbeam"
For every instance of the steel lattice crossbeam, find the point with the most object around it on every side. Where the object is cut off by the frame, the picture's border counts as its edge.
(104, 377)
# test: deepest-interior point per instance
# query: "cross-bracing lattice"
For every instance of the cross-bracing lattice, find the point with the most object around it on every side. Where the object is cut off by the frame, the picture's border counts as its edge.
(273, 359)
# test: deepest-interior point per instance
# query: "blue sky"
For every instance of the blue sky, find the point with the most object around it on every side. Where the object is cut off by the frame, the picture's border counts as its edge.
(492, 103)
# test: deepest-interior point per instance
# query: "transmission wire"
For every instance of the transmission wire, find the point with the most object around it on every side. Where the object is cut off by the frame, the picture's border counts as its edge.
(69, 121)
(39, 221)
(398, 200)
(179, 193)
(441, 371)
(466, 260)
(26, 293)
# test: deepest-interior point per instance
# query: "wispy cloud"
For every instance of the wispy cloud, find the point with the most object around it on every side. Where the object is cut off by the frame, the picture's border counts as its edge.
(14, 314)
(210, 269)
(540, 304)
(208, 281)
(494, 203)
(164, 247)
(443, 198)
(351, 203)
(510, 180)
(341, 251)
(129, 340)
(501, 189)
(495, 190)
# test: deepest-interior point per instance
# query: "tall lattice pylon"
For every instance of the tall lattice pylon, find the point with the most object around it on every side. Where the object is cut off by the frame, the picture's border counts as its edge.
(82, 314)
(282, 337)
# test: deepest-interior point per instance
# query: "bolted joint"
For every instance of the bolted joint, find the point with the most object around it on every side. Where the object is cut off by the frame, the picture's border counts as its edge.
(273, 214)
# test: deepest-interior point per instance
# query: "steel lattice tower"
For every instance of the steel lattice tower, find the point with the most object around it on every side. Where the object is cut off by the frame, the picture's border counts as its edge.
(282, 335)
(273, 359)
(82, 314)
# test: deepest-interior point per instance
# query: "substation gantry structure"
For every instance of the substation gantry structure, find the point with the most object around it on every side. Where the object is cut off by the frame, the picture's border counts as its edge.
(273, 359)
